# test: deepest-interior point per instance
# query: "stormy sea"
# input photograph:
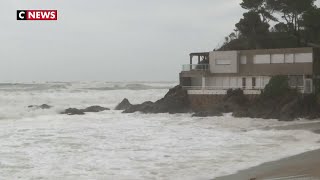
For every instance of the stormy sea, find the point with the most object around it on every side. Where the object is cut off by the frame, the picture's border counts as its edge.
(40, 143)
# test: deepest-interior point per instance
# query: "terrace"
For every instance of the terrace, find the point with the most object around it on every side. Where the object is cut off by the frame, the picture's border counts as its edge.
(202, 65)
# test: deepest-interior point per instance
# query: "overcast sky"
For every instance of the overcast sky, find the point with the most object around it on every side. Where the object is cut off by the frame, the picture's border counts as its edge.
(110, 40)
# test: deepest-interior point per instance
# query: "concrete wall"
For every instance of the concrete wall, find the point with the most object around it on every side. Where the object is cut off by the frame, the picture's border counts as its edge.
(223, 61)
(205, 102)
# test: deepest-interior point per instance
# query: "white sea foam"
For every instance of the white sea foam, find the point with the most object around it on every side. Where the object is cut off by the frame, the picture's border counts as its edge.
(39, 144)
(15, 98)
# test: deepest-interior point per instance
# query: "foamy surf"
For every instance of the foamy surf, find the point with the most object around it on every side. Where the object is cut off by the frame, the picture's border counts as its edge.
(39, 144)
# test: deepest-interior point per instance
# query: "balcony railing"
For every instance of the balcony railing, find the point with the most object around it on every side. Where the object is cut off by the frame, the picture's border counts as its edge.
(195, 67)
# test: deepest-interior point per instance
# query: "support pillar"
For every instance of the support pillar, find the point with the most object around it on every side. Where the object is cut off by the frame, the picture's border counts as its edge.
(203, 82)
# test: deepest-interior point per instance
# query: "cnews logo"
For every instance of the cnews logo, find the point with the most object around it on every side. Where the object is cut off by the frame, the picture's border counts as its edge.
(47, 15)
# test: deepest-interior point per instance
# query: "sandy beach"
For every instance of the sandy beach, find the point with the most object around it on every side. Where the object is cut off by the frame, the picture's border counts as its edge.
(305, 166)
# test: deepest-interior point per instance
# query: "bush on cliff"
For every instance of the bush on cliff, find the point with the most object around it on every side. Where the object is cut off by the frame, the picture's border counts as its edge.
(277, 86)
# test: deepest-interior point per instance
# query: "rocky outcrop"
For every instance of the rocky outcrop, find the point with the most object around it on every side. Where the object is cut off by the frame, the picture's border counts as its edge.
(95, 109)
(284, 108)
(75, 111)
(43, 106)
(175, 101)
(125, 104)
(287, 107)
(213, 112)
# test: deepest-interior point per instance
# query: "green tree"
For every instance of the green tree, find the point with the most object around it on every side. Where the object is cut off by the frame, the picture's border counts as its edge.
(252, 4)
(232, 36)
(291, 10)
(251, 25)
(280, 27)
(277, 86)
(261, 7)
(311, 22)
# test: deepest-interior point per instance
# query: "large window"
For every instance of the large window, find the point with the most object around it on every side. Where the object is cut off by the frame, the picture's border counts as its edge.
(243, 59)
(303, 58)
(261, 59)
(289, 58)
(277, 58)
(254, 83)
(244, 83)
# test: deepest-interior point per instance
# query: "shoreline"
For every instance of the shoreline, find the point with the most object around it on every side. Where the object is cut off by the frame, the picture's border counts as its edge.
(301, 166)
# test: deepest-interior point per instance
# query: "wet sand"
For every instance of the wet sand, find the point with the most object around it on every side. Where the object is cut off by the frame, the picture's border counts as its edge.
(305, 166)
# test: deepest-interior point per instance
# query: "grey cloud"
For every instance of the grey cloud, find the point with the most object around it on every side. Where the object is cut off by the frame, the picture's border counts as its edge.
(110, 40)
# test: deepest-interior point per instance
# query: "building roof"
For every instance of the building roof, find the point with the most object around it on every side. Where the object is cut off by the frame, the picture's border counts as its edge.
(200, 54)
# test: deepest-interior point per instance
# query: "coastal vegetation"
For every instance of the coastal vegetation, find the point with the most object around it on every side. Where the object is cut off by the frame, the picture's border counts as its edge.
(278, 86)
(275, 24)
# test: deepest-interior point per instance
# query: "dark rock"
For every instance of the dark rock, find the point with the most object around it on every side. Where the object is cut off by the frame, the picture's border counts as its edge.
(125, 104)
(234, 92)
(289, 111)
(317, 131)
(75, 111)
(95, 109)
(43, 106)
(175, 101)
(201, 114)
(145, 107)
(207, 114)
(241, 113)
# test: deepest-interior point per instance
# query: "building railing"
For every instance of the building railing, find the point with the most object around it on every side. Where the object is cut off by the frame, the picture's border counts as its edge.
(195, 67)
(220, 88)
(299, 88)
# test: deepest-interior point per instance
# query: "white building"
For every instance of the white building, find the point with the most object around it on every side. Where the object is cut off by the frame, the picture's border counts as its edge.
(250, 70)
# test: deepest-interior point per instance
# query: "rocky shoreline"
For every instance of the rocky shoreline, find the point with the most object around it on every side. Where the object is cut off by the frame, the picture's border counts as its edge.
(276, 102)
(175, 101)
